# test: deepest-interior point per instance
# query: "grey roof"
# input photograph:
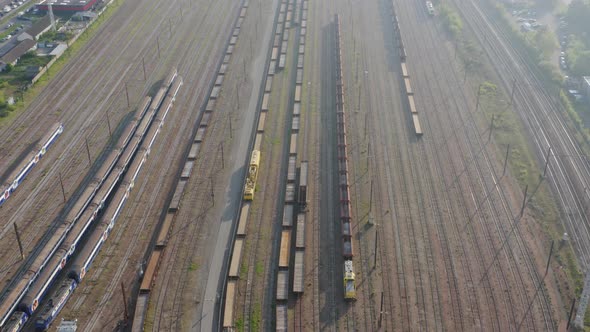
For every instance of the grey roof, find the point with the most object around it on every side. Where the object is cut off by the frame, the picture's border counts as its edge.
(20, 49)
(39, 27)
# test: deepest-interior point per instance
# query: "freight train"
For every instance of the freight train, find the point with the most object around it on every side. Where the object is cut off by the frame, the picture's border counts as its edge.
(343, 185)
(26, 296)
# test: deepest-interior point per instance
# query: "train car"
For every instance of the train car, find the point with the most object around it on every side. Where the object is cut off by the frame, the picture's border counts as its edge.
(178, 82)
(23, 170)
(158, 98)
(16, 322)
(349, 282)
(298, 272)
(252, 176)
(408, 86)
(55, 303)
(347, 251)
(149, 276)
(404, 70)
(412, 104)
(228, 311)
(33, 158)
(48, 140)
(417, 126)
(302, 196)
(170, 78)
(285, 249)
(33, 297)
(86, 256)
(145, 104)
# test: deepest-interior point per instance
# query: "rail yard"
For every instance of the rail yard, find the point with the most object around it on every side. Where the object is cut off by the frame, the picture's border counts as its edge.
(288, 165)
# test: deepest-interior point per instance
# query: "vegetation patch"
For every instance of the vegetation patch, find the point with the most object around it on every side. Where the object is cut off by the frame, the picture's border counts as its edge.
(239, 322)
(255, 318)
(193, 266)
(508, 130)
(259, 268)
(451, 20)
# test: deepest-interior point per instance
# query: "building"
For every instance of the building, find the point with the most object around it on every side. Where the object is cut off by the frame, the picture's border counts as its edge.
(40, 27)
(19, 50)
(66, 5)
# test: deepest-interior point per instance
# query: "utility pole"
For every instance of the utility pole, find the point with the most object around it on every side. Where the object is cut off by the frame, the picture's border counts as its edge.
(231, 135)
(371, 198)
(245, 77)
(376, 241)
(547, 161)
(368, 153)
(63, 191)
(158, 45)
(109, 123)
(512, 93)
(20, 246)
(549, 259)
(506, 159)
(127, 94)
(143, 65)
(381, 311)
(366, 125)
(491, 128)
(88, 151)
(477, 101)
(222, 161)
(124, 303)
(359, 104)
(569, 318)
(524, 200)
(238, 94)
(212, 192)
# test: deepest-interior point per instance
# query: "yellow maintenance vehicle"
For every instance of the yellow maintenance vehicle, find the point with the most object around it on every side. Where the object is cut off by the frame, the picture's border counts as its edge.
(349, 283)
(252, 176)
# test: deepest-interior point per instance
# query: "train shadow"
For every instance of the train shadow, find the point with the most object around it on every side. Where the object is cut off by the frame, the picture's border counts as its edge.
(236, 181)
(389, 35)
(18, 161)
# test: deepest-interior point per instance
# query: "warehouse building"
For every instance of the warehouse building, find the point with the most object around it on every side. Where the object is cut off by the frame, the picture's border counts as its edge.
(65, 6)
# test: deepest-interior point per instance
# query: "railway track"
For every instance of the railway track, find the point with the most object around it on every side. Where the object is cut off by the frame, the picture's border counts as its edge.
(474, 191)
(187, 54)
(366, 296)
(38, 197)
(310, 139)
(568, 171)
(457, 306)
(258, 288)
(513, 228)
(472, 153)
(177, 258)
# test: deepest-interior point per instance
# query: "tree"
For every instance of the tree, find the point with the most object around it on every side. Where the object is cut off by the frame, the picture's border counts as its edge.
(578, 56)
(578, 15)
(546, 42)
(582, 64)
